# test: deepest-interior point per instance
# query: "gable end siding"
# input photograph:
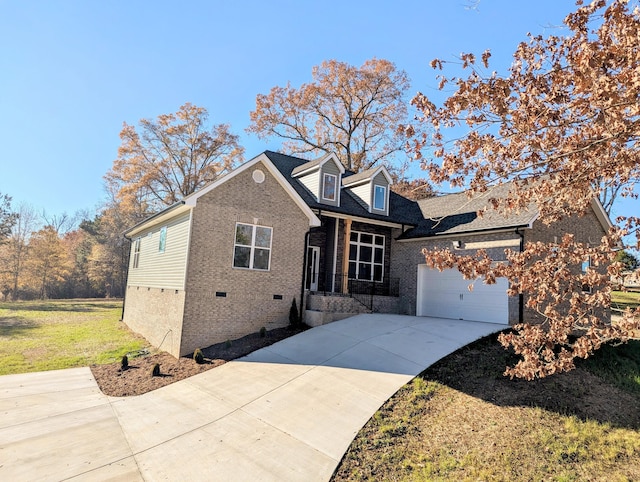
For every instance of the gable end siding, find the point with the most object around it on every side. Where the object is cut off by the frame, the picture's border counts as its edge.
(363, 193)
(162, 270)
(312, 183)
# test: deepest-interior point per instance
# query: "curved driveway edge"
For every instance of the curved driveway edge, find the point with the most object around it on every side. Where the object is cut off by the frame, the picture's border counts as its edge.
(285, 412)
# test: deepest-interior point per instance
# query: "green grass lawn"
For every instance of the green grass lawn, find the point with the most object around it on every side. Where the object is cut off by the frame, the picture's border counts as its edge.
(54, 334)
(625, 299)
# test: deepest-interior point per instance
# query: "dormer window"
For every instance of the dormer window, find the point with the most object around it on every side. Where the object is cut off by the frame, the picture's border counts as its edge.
(329, 185)
(322, 178)
(380, 198)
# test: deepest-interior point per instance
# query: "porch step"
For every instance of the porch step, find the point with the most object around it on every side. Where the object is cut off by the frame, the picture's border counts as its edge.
(318, 318)
(335, 304)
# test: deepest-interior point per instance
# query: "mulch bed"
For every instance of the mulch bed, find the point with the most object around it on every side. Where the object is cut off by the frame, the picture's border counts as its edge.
(137, 378)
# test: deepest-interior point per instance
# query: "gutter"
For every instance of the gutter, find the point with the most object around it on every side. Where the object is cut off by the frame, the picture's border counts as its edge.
(520, 296)
(505, 229)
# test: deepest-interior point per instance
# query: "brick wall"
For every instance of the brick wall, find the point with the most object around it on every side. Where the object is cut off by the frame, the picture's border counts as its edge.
(249, 302)
(406, 256)
(586, 229)
(156, 314)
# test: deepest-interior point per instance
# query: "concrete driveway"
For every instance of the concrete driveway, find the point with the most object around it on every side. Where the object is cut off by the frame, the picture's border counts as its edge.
(286, 412)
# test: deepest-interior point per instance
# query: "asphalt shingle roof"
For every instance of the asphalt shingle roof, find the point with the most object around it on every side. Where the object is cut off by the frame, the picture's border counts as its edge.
(306, 166)
(401, 210)
(458, 214)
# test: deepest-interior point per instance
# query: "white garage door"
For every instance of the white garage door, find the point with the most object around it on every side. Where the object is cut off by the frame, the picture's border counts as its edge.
(446, 295)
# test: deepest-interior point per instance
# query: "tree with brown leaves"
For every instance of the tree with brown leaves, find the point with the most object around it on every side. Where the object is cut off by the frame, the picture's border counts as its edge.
(170, 158)
(562, 127)
(350, 111)
(48, 262)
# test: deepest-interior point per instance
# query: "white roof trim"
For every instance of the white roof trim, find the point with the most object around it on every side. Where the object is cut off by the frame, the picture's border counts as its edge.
(601, 214)
(325, 159)
(159, 218)
(464, 234)
(192, 199)
(389, 224)
(345, 181)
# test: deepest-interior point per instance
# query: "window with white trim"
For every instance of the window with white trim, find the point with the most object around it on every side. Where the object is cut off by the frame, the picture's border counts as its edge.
(136, 252)
(162, 243)
(252, 247)
(379, 197)
(329, 186)
(366, 256)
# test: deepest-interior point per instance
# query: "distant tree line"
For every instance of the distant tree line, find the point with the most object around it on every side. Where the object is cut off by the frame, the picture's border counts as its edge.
(60, 256)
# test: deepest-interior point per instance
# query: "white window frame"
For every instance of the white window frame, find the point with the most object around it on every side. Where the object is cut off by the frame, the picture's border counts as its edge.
(357, 245)
(335, 184)
(162, 242)
(384, 197)
(136, 252)
(252, 246)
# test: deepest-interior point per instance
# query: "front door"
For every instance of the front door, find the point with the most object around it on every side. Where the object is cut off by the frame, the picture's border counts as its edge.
(313, 263)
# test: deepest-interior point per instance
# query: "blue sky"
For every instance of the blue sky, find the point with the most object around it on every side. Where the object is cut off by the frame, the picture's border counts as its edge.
(73, 71)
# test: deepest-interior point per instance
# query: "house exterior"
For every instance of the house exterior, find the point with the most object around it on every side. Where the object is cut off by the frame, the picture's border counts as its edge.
(230, 258)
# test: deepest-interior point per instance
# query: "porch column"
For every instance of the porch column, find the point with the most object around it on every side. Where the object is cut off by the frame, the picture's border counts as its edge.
(345, 254)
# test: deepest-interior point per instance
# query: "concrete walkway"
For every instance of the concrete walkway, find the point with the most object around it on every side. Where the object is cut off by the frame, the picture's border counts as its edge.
(286, 412)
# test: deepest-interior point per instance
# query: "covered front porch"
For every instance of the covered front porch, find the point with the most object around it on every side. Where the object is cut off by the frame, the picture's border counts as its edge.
(347, 271)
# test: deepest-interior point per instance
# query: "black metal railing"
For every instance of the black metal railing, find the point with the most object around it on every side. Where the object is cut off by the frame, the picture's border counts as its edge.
(361, 290)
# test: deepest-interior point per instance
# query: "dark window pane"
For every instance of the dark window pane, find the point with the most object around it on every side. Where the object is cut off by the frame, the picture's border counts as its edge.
(378, 256)
(380, 240)
(377, 272)
(366, 238)
(241, 257)
(365, 254)
(352, 270)
(364, 271)
(354, 236)
(243, 234)
(263, 237)
(353, 252)
(261, 259)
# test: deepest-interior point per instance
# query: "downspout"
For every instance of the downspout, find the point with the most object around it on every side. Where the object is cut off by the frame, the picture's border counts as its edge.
(520, 296)
(304, 271)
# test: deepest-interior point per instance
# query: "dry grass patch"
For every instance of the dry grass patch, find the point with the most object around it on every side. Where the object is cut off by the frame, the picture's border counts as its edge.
(462, 420)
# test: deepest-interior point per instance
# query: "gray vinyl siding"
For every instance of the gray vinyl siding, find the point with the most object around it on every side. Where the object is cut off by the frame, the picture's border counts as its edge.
(162, 270)
(363, 192)
(312, 183)
(380, 180)
(330, 168)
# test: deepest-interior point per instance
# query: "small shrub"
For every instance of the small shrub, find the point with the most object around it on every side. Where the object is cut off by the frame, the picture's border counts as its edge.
(155, 371)
(198, 356)
(294, 320)
(227, 344)
(124, 363)
(263, 332)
